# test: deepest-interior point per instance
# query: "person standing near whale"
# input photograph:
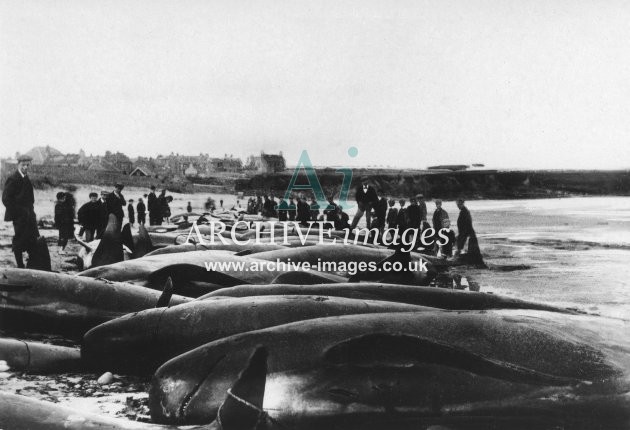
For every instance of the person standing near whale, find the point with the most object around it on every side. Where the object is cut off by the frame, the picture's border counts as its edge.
(366, 199)
(115, 202)
(152, 206)
(19, 199)
(465, 232)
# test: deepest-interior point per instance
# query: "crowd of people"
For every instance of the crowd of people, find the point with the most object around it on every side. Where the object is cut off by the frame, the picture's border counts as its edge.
(94, 214)
(380, 213)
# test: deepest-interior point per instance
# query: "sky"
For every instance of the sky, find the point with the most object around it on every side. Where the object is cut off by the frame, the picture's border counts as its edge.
(511, 84)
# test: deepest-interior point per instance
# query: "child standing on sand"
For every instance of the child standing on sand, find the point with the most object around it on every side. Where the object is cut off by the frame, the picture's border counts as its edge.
(446, 250)
(131, 212)
(64, 220)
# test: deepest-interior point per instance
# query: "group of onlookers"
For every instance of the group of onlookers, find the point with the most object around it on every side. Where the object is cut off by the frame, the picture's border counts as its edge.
(380, 213)
(18, 197)
(93, 215)
(158, 206)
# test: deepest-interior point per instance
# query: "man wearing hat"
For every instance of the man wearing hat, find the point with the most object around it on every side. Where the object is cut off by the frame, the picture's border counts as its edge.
(366, 199)
(19, 199)
(115, 202)
(414, 214)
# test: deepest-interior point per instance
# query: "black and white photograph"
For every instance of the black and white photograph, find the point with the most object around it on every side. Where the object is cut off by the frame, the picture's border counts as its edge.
(313, 215)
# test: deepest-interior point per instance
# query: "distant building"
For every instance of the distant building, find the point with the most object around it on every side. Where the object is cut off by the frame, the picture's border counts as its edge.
(267, 163)
(139, 171)
(118, 161)
(191, 171)
(451, 167)
(225, 164)
(99, 166)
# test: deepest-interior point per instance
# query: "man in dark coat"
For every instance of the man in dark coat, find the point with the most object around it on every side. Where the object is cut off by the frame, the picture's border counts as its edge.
(292, 212)
(115, 203)
(159, 208)
(414, 214)
(268, 207)
(414, 220)
(154, 211)
(366, 199)
(401, 219)
(18, 198)
(303, 211)
(91, 216)
(102, 225)
(392, 214)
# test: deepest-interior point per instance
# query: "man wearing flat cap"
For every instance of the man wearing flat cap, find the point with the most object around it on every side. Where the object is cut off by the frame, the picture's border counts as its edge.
(115, 202)
(18, 199)
(366, 199)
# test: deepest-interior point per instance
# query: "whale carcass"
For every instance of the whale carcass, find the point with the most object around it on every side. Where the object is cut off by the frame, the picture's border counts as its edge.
(437, 368)
(414, 295)
(142, 341)
(60, 303)
(38, 357)
(190, 274)
(240, 409)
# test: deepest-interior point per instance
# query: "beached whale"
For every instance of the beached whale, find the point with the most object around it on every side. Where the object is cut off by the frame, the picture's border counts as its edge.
(191, 276)
(66, 304)
(142, 341)
(440, 368)
(411, 294)
(37, 357)
(240, 409)
(217, 246)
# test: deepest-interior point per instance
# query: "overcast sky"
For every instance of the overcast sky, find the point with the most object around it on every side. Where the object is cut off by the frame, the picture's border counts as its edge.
(542, 84)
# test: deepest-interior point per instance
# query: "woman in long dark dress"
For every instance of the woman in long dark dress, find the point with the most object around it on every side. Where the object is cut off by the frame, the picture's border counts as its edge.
(64, 219)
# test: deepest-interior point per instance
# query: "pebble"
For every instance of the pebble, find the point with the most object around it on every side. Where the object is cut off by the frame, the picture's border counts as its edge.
(4, 366)
(106, 378)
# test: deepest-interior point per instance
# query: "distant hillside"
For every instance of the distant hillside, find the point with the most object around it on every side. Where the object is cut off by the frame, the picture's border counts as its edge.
(475, 184)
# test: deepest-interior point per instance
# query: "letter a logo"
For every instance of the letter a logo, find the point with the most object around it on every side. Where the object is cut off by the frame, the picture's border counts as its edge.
(313, 182)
